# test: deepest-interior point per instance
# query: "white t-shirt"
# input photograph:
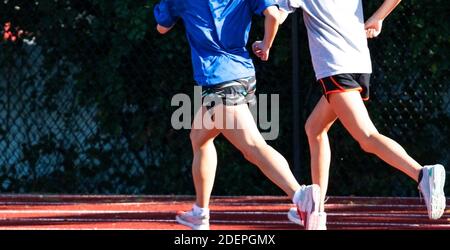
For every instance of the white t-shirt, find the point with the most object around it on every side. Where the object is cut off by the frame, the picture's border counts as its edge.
(337, 39)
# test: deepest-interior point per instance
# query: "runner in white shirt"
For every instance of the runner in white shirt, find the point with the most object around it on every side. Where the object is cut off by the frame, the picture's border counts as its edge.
(341, 59)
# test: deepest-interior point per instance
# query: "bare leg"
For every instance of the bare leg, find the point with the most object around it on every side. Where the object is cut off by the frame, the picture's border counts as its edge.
(247, 138)
(204, 164)
(350, 109)
(317, 126)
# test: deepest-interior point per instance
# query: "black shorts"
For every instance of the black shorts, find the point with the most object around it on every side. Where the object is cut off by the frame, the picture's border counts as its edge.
(231, 93)
(346, 82)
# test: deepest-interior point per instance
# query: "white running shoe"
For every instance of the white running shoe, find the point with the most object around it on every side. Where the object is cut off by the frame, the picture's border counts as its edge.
(294, 217)
(308, 204)
(432, 188)
(196, 222)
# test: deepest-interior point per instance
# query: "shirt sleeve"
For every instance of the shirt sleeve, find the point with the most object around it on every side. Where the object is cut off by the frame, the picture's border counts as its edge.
(165, 13)
(259, 6)
(289, 5)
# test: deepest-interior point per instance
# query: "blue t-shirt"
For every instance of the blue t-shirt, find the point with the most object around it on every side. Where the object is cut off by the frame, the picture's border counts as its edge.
(217, 31)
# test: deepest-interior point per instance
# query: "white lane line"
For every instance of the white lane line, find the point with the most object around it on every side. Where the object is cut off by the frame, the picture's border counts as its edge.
(83, 220)
(106, 220)
(42, 211)
(262, 213)
(65, 228)
(63, 196)
(154, 213)
(183, 203)
(93, 203)
(334, 223)
(361, 224)
(387, 224)
(287, 222)
(81, 212)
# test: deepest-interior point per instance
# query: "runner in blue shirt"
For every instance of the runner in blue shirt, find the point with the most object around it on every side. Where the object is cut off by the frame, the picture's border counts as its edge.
(218, 32)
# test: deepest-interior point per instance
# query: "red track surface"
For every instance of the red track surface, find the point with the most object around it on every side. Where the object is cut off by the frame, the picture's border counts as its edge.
(227, 213)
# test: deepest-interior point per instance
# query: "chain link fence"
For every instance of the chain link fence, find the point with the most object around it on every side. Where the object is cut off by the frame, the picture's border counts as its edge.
(85, 91)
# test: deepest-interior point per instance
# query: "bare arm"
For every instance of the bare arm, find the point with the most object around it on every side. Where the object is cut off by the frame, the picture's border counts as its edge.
(374, 24)
(163, 30)
(385, 9)
(271, 23)
(283, 16)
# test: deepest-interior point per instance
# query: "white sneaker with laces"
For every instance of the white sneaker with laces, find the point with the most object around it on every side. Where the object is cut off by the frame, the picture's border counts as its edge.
(432, 188)
(308, 205)
(196, 222)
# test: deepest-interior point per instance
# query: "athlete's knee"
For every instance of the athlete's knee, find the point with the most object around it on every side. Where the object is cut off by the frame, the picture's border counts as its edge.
(254, 151)
(197, 141)
(367, 142)
(313, 131)
(193, 137)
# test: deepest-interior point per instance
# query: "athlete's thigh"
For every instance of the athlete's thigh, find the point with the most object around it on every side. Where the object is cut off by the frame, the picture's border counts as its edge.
(322, 117)
(353, 114)
(244, 131)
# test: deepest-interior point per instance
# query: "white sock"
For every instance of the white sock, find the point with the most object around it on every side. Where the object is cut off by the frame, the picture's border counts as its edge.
(200, 211)
(297, 195)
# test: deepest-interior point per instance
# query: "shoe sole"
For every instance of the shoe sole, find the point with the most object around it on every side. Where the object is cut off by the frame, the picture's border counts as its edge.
(313, 207)
(293, 218)
(192, 226)
(438, 202)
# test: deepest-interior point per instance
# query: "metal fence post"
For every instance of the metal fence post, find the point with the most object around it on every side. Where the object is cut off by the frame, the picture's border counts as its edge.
(296, 95)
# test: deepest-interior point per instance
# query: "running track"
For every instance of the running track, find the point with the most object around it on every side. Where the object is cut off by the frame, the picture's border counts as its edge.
(69, 212)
